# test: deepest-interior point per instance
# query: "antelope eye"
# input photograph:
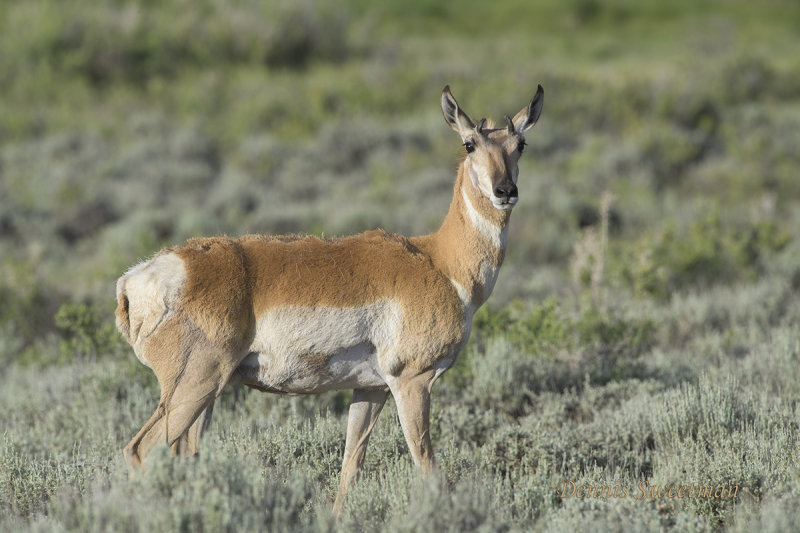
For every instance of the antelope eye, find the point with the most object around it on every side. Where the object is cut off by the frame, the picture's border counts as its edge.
(521, 146)
(469, 146)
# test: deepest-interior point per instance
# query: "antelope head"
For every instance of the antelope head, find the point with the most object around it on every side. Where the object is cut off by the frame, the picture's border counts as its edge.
(493, 153)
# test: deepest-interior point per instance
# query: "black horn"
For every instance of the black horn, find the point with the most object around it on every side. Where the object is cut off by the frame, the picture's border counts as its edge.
(479, 127)
(511, 129)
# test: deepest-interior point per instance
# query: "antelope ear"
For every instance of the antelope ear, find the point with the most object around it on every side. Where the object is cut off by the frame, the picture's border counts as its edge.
(527, 117)
(454, 116)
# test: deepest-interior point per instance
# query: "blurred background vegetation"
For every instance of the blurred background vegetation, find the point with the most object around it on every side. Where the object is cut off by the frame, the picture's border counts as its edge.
(653, 256)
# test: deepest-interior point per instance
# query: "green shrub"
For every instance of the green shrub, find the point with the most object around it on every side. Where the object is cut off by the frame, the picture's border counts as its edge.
(706, 252)
(545, 330)
(670, 151)
(538, 329)
(135, 43)
(28, 304)
(85, 334)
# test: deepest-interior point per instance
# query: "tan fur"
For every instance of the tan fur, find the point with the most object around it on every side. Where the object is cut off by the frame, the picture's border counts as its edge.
(376, 311)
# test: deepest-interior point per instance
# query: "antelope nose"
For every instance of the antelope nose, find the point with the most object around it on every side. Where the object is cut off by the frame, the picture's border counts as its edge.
(506, 190)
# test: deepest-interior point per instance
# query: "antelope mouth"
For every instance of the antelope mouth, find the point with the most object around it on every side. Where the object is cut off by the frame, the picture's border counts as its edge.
(505, 204)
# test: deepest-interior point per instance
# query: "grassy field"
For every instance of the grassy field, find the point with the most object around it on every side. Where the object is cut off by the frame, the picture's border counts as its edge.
(642, 340)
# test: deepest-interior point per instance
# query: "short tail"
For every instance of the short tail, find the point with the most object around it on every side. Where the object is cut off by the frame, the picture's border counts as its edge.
(122, 312)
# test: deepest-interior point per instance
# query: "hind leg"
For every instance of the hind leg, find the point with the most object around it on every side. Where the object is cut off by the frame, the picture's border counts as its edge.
(192, 374)
(189, 443)
(131, 451)
(175, 419)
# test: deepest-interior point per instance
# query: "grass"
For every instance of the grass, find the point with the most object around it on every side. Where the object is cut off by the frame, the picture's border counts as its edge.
(642, 332)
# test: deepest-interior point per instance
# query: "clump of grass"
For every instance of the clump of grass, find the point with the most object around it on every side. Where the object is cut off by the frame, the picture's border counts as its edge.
(716, 430)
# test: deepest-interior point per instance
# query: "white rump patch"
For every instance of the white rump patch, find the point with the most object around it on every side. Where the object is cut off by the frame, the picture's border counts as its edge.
(153, 288)
(496, 235)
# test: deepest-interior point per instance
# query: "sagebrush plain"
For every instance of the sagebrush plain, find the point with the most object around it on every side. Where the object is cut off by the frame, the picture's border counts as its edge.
(643, 332)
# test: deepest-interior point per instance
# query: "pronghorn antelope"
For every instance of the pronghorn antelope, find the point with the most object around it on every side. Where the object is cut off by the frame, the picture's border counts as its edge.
(375, 312)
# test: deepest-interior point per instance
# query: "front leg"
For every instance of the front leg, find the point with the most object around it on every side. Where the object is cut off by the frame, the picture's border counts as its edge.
(365, 407)
(412, 395)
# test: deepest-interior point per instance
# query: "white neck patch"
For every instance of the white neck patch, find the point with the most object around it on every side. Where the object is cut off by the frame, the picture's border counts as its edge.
(497, 236)
(463, 295)
(489, 274)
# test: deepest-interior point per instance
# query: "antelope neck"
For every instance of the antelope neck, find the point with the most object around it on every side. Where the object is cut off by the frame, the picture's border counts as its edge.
(469, 247)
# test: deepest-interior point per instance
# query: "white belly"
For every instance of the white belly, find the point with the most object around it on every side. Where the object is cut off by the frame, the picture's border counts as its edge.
(300, 350)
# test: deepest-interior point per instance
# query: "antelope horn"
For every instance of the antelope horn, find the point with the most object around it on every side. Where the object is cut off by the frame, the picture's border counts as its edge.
(479, 127)
(511, 129)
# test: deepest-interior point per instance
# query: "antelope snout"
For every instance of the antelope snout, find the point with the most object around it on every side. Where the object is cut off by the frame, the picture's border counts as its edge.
(506, 191)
